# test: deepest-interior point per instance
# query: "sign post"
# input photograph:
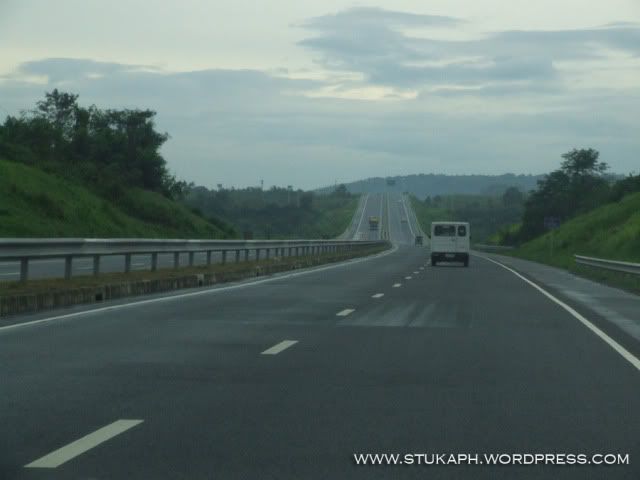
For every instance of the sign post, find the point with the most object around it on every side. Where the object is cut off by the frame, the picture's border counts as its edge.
(551, 223)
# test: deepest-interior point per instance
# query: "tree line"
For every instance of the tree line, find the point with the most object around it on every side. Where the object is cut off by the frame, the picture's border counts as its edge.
(582, 183)
(106, 149)
(274, 212)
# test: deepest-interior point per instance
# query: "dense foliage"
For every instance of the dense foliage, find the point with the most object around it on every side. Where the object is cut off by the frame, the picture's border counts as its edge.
(487, 213)
(580, 185)
(106, 149)
(277, 212)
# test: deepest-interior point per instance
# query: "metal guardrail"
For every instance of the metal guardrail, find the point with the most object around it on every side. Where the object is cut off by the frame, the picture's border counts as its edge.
(615, 265)
(492, 248)
(24, 250)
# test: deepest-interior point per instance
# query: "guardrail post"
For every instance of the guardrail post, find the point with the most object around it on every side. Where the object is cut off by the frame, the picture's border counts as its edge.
(68, 263)
(208, 257)
(176, 259)
(257, 254)
(24, 269)
(224, 257)
(246, 255)
(154, 262)
(237, 256)
(96, 265)
(191, 257)
(127, 262)
(266, 255)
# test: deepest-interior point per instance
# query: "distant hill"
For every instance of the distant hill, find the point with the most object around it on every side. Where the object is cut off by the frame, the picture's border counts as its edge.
(423, 185)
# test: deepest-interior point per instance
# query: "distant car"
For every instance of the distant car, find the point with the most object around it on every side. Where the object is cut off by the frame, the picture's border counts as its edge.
(450, 242)
(419, 239)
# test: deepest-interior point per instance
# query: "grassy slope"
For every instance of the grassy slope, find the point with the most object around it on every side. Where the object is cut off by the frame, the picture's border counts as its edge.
(36, 204)
(611, 232)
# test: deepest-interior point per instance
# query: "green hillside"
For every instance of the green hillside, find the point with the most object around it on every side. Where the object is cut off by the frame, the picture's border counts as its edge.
(611, 231)
(37, 204)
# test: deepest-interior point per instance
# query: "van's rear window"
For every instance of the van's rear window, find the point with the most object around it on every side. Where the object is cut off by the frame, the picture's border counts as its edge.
(445, 231)
(462, 231)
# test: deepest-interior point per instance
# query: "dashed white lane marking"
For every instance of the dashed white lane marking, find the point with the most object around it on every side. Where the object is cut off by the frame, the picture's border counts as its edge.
(408, 278)
(279, 347)
(397, 285)
(72, 450)
(377, 295)
(626, 354)
(421, 268)
(345, 312)
(416, 273)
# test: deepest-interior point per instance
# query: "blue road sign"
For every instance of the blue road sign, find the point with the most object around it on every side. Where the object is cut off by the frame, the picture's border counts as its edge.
(551, 223)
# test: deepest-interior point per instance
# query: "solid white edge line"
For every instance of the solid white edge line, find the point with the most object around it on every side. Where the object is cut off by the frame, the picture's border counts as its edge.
(345, 312)
(364, 209)
(406, 213)
(78, 447)
(209, 291)
(279, 347)
(626, 354)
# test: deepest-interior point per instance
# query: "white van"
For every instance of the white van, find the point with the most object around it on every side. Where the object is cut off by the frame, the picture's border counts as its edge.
(450, 242)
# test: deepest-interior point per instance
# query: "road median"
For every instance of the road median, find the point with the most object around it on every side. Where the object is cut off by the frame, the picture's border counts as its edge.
(37, 295)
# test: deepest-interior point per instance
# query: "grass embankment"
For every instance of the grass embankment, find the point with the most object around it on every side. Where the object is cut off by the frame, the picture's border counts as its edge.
(611, 232)
(37, 204)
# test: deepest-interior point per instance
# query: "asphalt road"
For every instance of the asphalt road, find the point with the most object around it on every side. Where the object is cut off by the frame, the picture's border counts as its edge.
(288, 378)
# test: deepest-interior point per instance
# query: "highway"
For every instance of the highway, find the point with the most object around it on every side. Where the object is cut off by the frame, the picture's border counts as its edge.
(288, 377)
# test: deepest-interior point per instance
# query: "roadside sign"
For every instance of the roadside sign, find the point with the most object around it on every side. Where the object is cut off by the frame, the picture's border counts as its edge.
(551, 223)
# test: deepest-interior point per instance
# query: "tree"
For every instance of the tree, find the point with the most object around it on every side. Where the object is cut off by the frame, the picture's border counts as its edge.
(341, 191)
(512, 196)
(306, 200)
(583, 162)
(109, 149)
(579, 185)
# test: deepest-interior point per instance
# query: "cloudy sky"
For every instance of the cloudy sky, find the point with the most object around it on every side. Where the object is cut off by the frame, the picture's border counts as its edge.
(307, 93)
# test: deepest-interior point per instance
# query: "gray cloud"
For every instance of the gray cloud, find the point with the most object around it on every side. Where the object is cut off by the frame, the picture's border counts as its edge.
(365, 16)
(236, 126)
(375, 44)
